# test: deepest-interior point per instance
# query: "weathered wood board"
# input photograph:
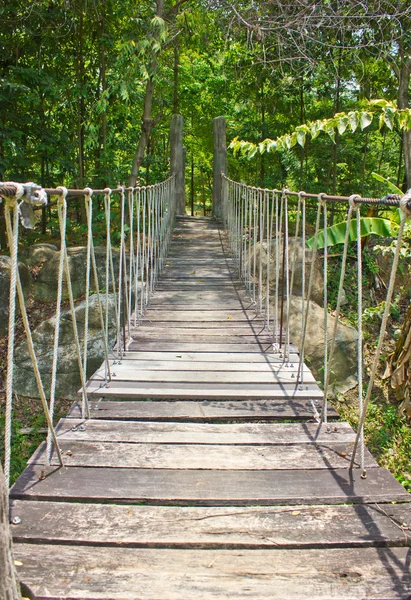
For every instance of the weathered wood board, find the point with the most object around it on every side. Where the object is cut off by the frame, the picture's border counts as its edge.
(207, 487)
(233, 527)
(202, 410)
(199, 433)
(192, 456)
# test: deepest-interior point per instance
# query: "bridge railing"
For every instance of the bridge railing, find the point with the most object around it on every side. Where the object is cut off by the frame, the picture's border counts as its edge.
(143, 222)
(268, 257)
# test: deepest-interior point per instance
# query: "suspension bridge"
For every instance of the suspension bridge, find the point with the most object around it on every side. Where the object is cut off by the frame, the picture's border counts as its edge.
(202, 459)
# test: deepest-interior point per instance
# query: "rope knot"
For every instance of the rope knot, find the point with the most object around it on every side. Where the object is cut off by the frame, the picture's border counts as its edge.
(63, 194)
(88, 192)
(353, 200)
(108, 191)
(405, 204)
(321, 197)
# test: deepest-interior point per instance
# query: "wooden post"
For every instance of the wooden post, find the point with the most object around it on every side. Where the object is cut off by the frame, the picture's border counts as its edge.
(177, 162)
(9, 583)
(219, 165)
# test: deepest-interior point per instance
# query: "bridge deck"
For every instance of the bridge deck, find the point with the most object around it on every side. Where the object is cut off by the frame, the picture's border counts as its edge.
(202, 472)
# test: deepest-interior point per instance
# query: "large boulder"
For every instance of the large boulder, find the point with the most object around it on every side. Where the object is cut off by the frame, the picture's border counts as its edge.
(45, 288)
(295, 254)
(68, 376)
(26, 282)
(36, 255)
(343, 367)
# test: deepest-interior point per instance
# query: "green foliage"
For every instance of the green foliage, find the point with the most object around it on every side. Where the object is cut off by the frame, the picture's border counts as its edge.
(336, 233)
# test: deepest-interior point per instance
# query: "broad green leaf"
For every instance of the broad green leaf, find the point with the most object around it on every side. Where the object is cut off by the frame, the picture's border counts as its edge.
(381, 102)
(342, 124)
(336, 233)
(272, 146)
(365, 119)
(301, 135)
(353, 118)
(389, 114)
(391, 186)
(316, 127)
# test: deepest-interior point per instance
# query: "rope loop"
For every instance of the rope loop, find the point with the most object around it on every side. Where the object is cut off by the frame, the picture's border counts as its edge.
(88, 192)
(62, 195)
(353, 200)
(405, 204)
(108, 191)
(321, 197)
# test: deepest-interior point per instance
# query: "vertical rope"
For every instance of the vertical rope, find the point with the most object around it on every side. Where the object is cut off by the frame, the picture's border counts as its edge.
(339, 297)
(13, 230)
(325, 274)
(62, 217)
(120, 312)
(310, 285)
(360, 336)
(89, 212)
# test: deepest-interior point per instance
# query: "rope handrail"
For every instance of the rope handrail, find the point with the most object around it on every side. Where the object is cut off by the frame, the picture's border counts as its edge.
(256, 220)
(388, 200)
(145, 223)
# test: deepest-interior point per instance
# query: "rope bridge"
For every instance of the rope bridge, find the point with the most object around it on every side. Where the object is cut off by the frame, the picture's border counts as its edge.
(200, 463)
(255, 216)
(145, 224)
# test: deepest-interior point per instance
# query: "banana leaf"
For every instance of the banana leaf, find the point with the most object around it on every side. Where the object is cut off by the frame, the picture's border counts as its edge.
(336, 233)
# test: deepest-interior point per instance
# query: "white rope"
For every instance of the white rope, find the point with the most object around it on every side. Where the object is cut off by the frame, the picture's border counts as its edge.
(351, 208)
(89, 212)
(62, 216)
(287, 284)
(325, 303)
(360, 337)
(120, 314)
(310, 285)
(11, 204)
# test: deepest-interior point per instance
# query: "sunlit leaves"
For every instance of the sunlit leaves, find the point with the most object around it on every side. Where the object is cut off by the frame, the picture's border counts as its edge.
(388, 115)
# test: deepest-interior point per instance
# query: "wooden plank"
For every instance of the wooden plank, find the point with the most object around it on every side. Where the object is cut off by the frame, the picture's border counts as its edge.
(179, 347)
(198, 411)
(152, 574)
(171, 331)
(182, 390)
(186, 457)
(200, 316)
(151, 321)
(235, 377)
(184, 527)
(198, 433)
(207, 487)
(195, 365)
(201, 357)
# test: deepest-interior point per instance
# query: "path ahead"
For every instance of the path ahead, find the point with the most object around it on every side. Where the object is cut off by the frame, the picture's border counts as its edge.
(202, 473)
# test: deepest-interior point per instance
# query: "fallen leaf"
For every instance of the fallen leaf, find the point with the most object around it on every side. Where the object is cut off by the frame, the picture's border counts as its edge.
(229, 318)
(18, 563)
(295, 513)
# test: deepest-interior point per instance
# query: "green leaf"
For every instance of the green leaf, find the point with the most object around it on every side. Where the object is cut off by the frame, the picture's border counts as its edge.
(315, 129)
(336, 233)
(353, 118)
(389, 114)
(342, 124)
(365, 119)
(301, 135)
(391, 186)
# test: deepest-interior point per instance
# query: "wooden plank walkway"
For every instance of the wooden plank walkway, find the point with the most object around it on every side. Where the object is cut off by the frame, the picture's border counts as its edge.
(203, 472)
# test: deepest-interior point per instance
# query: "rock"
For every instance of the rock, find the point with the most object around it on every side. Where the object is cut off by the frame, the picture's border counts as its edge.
(26, 281)
(45, 288)
(344, 363)
(37, 254)
(68, 377)
(295, 253)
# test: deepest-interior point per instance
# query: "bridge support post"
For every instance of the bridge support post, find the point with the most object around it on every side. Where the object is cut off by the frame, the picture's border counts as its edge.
(219, 166)
(177, 161)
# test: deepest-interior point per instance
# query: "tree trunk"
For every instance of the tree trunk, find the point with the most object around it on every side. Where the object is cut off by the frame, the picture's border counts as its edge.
(399, 367)
(147, 123)
(403, 102)
(175, 83)
(9, 583)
